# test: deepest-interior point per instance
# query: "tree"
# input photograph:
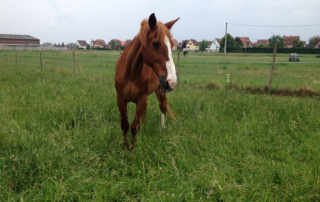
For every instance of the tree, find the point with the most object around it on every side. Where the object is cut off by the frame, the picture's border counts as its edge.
(276, 39)
(260, 46)
(88, 46)
(312, 39)
(62, 43)
(238, 41)
(203, 45)
(113, 44)
(230, 42)
(297, 44)
(238, 45)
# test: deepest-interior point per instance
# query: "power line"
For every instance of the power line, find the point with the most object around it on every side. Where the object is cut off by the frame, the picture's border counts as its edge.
(274, 25)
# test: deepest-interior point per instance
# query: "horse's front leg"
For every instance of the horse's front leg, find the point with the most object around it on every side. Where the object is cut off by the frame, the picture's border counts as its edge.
(162, 104)
(140, 111)
(122, 105)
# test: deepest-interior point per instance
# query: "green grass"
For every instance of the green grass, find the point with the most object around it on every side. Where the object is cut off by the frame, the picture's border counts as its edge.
(60, 135)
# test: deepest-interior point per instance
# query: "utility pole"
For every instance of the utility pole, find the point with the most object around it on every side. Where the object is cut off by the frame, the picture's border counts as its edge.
(225, 41)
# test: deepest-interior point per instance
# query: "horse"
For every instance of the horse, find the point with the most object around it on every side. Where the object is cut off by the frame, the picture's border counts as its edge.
(145, 66)
(184, 53)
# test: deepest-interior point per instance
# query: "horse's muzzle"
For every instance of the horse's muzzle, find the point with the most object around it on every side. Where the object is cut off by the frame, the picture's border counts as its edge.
(165, 84)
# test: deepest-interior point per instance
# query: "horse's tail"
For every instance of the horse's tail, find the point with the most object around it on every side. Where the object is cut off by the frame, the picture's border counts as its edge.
(170, 112)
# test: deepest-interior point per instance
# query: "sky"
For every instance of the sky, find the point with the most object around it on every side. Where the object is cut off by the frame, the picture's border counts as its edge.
(67, 21)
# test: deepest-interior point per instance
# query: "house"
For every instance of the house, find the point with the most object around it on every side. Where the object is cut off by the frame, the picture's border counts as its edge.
(99, 43)
(215, 46)
(265, 42)
(127, 42)
(219, 40)
(288, 40)
(82, 44)
(252, 45)
(316, 43)
(122, 43)
(183, 43)
(245, 41)
(192, 45)
(118, 42)
(13, 39)
(175, 44)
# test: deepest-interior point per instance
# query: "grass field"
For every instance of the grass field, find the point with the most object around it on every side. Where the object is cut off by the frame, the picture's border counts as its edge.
(60, 135)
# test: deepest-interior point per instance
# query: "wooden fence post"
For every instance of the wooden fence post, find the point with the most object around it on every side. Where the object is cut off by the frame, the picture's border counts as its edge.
(40, 61)
(16, 61)
(74, 71)
(274, 59)
(178, 64)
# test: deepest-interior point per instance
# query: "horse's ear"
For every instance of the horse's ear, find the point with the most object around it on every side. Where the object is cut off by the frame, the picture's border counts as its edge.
(152, 21)
(171, 23)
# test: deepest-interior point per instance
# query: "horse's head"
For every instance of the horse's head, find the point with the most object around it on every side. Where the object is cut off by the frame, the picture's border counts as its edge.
(157, 43)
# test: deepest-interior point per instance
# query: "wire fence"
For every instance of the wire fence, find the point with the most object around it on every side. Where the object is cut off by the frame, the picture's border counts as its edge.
(190, 69)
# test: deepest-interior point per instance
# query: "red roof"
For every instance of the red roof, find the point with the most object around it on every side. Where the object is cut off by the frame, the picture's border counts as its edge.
(175, 42)
(127, 42)
(262, 41)
(244, 40)
(195, 42)
(218, 40)
(288, 40)
(122, 43)
(316, 40)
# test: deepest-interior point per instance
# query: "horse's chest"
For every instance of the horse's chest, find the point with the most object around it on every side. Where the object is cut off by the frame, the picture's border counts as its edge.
(131, 91)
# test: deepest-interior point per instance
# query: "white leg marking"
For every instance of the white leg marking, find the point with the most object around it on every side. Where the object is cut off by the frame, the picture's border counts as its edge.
(163, 121)
(171, 68)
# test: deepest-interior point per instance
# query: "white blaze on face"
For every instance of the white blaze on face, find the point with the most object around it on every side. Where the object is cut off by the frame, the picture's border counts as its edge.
(171, 68)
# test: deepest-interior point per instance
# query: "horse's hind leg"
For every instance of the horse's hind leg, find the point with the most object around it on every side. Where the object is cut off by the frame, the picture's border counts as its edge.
(122, 105)
(162, 104)
(140, 111)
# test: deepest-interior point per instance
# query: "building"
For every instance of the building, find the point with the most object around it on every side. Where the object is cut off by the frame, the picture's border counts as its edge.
(316, 43)
(81, 44)
(219, 40)
(191, 45)
(13, 39)
(245, 41)
(118, 42)
(288, 40)
(99, 43)
(175, 44)
(127, 42)
(265, 42)
(215, 46)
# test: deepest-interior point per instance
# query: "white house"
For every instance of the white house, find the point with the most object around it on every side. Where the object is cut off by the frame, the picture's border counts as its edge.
(81, 44)
(215, 46)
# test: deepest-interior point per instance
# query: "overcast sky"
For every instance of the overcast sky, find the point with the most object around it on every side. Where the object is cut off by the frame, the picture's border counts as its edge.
(58, 21)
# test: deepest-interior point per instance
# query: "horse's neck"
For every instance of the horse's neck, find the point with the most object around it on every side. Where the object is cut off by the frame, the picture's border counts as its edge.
(134, 61)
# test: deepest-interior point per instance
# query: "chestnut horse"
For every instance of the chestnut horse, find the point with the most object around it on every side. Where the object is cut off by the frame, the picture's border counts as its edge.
(145, 66)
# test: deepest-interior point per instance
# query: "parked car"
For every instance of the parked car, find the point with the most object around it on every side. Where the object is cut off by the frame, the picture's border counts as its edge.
(294, 57)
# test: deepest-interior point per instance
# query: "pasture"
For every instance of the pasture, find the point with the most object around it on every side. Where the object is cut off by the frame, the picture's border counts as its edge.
(61, 140)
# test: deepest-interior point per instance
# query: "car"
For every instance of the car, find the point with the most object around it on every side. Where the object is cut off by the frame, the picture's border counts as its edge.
(294, 57)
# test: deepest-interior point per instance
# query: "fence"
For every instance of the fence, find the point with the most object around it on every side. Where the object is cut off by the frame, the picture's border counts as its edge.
(209, 67)
(270, 50)
(33, 48)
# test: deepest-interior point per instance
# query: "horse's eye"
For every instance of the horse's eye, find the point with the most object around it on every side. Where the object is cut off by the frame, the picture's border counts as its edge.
(155, 45)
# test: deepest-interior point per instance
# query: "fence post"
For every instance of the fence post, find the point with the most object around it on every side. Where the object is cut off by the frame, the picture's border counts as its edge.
(73, 64)
(178, 64)
(274, 59)
(16, 61)
(40, 61)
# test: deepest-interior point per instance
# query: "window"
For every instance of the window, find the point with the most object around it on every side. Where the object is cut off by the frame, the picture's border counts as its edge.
(190, 43)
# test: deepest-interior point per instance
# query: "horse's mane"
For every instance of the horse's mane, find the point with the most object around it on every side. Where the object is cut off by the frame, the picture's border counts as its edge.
(162, 31)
